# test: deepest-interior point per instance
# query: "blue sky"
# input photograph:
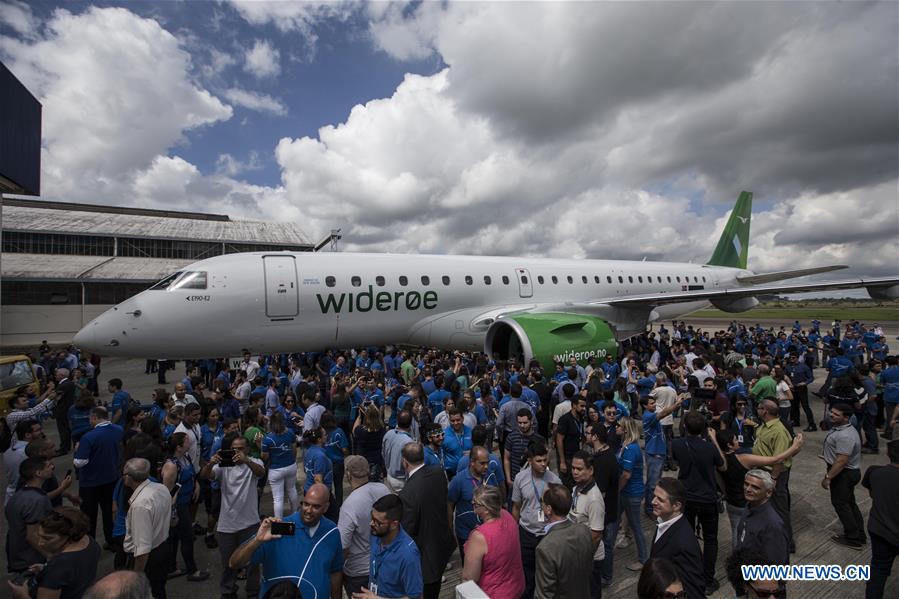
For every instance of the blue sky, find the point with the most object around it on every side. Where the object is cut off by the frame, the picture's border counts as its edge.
(596, 130)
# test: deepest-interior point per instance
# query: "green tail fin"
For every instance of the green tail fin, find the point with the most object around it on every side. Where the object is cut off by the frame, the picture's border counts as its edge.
(733, 246)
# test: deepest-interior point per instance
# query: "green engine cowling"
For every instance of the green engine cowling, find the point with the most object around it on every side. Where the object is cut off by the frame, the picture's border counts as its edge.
(550, 337)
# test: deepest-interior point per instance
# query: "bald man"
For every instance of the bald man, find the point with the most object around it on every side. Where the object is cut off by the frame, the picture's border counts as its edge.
(310, 555)
(124, 584)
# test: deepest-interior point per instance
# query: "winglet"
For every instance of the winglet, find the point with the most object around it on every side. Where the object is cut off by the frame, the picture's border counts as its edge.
(733, 246)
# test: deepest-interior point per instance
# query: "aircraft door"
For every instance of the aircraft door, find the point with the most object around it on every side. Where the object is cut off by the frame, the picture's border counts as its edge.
(281, 293)
(525, 287)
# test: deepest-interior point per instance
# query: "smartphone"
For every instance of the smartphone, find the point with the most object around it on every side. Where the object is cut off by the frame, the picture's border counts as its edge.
(227, 456)
(176, 489)
(287, 529)
(69, 472)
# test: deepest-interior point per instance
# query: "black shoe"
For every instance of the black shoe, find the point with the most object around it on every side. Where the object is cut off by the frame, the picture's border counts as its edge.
(198, 576)
(711, 587)
(211, 543)
(199, 530)
(810, 428)
(841, 540)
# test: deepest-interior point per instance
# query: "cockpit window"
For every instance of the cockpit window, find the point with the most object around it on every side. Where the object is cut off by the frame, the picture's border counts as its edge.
(164, 283)
(190, 280)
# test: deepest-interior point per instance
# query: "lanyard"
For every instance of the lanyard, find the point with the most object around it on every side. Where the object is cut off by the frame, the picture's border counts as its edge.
(475, 483)
(539, 494)
(740, 425)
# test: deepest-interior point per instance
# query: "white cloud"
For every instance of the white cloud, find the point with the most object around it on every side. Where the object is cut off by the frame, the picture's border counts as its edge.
(300, 17)
(116, 94)
(262, 60)
(18, 16)
(228, 165)
(255, 101)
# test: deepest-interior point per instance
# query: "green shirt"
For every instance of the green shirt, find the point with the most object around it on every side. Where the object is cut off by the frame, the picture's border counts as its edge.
(407, 371)
(771, 439)
(764, 388)
(250, 436)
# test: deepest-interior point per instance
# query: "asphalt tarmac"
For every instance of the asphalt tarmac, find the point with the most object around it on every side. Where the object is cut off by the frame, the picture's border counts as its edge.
(814, 520)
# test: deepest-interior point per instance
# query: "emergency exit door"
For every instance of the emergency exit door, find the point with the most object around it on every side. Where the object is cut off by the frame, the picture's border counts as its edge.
(281, 293)
(525, 287)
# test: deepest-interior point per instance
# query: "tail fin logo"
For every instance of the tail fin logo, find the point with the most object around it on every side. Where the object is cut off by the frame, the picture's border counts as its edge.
(743, 219)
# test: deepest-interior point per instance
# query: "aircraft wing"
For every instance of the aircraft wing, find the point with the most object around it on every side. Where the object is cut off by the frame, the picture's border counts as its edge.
(650, 300)
(770, 277)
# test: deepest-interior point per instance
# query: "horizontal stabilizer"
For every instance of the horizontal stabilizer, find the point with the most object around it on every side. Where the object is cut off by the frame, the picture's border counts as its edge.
(770, 277)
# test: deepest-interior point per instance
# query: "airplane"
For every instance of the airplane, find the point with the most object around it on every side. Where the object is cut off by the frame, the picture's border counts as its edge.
(508, 307)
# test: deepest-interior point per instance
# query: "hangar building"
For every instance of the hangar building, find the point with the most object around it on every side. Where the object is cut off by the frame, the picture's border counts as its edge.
(62, 264)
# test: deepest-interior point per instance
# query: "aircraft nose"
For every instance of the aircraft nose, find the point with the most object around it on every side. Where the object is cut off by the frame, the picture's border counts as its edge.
(86, 338)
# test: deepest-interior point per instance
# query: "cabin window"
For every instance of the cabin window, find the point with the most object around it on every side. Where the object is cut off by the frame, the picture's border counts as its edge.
(630, 279)
(330, 281)
(669, 278)
(505, 280)
(524, 280)
(380, 281)
(404, 280)
(584, 279)
(596, 279)
(570, 279)
(425, 280)
(609, 280)
(468, 280)
(486, 279)
(555, 280)
(695, 280)
(446, 280)
(166, 281)
(540, 279)
(356, 282)
(639, 279)
(191, 280)
(620, 279)
(703, 279)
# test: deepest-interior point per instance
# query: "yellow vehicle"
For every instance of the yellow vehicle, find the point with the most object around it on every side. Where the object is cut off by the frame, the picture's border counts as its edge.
(15, 371)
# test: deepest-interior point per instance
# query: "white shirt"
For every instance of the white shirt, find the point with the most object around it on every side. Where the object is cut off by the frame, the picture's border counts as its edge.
(665, 525)
(193, 436)
(149, 515)
(251, 368)
(560, 410)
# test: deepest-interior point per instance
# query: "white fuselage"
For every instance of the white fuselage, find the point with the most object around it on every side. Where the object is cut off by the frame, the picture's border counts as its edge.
(286, 301)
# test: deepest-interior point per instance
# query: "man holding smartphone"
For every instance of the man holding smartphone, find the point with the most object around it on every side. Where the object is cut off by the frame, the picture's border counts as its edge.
(311, 557)
(237, 474)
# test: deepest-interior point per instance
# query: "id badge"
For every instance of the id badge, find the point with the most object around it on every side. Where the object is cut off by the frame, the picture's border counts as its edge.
(541, 517)
(373, 588)
(739, 438)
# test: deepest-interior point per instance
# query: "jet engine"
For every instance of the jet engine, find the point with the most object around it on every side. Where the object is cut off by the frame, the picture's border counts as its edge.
(550, 337)
(740, 304)
(884, 293)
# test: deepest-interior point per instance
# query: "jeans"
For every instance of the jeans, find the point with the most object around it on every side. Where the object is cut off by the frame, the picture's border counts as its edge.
(869, 420)
(608, 541)
(786, 419)
(883, 554)
(734, 513)
(228, 543)
(281, 479)
(668, 431)
(182, 533)
(629, 504)
(800, 398)
(93, 498)
(706, 515)
(338, 470)
(889, 408)
(157, 570)
(654, 465)
(596, 580)
(781, 502)
(842, 498)
(528, 543)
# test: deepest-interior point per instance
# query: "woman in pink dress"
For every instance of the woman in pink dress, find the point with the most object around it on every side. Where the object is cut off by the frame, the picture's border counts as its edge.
(492, 554)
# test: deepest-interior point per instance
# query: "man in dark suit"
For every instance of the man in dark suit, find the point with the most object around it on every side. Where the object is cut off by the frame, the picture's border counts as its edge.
(565, 554)
(675, 539)
(425, 517)
(65, 397)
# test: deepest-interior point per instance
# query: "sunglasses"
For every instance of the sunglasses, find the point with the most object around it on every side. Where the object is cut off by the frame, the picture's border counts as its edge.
(779, 593)
(678, 595)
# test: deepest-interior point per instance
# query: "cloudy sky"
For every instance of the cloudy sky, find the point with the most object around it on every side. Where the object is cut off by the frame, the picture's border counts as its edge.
(588, 130)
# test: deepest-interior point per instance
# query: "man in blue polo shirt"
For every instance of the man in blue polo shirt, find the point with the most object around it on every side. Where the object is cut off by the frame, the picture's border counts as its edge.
(461, 492)
(97, 460)
(395, 563)
(456, 442)
(656, 447)
(121, 401)
(312, 557)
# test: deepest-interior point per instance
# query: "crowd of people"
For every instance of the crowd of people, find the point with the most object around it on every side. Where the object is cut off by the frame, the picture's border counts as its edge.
(531, 475)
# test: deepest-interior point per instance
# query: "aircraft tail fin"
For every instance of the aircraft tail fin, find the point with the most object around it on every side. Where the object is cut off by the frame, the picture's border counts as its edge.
(733, 246)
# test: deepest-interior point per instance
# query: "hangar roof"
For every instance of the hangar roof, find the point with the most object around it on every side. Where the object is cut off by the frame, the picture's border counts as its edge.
(42, 267)
(88, 219)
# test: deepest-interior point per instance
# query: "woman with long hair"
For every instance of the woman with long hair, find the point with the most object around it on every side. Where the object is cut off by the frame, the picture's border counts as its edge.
(160, 407)
(279, 452)
(211, 432)
(337, 447)
(368, 433)
(659, 580)
(72, 557)
(492, 552)
(133, 417)
(319, 469)
(630, 461)
(179, 475)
